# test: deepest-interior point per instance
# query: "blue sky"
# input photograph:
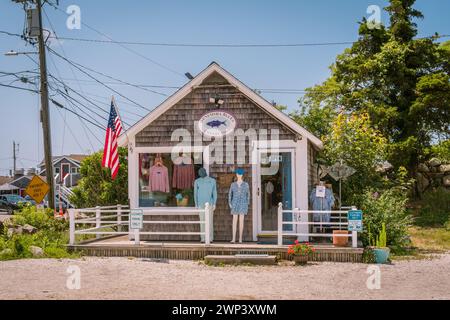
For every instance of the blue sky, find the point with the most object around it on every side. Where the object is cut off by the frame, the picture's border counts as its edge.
(211, 22)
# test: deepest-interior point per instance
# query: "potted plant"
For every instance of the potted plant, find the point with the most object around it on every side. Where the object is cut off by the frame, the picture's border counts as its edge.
(183, 198)
(380, 249)
(300, 252)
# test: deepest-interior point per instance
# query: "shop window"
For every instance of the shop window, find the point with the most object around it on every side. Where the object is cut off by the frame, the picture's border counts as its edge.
(164, 182)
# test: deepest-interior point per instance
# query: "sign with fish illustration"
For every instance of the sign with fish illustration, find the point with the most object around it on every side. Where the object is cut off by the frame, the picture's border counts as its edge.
(217, 123)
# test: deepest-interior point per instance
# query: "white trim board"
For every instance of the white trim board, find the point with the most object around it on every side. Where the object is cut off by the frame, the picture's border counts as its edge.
(188, 87)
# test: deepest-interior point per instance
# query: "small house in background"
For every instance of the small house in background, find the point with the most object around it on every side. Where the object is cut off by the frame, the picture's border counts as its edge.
(66, 169)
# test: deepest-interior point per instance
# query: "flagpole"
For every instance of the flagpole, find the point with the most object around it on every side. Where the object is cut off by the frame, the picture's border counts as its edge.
(117, 110)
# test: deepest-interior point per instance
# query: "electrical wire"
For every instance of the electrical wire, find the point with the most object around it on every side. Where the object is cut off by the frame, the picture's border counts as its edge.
(100, 82)
(124, 46)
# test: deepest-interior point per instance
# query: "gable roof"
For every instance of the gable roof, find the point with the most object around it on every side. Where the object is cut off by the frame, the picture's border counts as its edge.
(73, 158)
(249, 93)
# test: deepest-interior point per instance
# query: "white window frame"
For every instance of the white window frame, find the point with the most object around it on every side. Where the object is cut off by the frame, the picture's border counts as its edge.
(134, 190)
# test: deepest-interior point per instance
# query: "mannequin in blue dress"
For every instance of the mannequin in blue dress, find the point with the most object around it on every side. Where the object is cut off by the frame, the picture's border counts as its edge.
(238, 200)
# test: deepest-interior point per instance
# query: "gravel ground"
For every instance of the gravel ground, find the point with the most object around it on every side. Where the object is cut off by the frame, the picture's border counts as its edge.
(130, 278)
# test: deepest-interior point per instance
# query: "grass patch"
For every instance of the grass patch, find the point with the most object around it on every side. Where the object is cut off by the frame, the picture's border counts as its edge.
(426, 244)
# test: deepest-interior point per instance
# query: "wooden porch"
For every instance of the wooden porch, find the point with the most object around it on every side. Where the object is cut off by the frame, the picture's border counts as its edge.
(123, 247)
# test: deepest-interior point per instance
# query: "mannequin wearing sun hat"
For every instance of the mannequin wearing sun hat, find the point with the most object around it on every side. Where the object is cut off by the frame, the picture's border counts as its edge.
(238, 200)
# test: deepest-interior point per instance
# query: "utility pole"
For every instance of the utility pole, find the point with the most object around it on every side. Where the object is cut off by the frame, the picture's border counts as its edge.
(14, 158)
(45, 112)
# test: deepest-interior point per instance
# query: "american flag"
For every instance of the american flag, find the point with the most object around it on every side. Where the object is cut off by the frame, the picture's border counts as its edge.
(110, 152)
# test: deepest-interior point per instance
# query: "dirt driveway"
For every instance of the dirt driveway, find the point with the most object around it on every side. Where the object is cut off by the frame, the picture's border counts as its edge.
(125, 278)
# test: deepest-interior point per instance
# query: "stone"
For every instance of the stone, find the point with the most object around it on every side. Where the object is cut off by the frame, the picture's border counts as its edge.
(446, 181)
(29, 229)
(434, 162)
(422, 181)
(36, 251)
(14, 230)
(423, 168)
(444, 168)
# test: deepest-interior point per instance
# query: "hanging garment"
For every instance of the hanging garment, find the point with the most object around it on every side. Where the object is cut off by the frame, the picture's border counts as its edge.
(205, 191)
(322, 204)
(239, 198)
(183, 173)
(158, 179)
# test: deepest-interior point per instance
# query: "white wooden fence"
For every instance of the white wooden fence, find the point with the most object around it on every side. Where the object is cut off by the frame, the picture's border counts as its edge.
(114, 220)
(302, 218)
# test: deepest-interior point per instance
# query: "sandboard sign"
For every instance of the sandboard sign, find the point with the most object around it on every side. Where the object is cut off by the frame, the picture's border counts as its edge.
(37, 189)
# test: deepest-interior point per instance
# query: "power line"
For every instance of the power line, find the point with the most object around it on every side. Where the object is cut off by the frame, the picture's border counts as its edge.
(123, 46)
(19, 88)
(59, 105)
(92, 77)
(216, 45)
(223, 45)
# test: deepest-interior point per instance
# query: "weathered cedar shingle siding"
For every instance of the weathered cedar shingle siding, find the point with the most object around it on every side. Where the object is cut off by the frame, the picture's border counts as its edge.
(190, 109)
(312, 167)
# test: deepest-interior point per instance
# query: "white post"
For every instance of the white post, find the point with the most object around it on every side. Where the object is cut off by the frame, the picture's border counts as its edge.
(136, 237)
(280, 224)
(97, 220)
(354, 239)
(71, 227)
(119, 217)
(207, 222)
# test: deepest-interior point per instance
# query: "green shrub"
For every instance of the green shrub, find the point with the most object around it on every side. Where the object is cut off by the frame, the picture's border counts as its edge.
(41, 219)
(435, 208)
(51, 235)
(388, 208)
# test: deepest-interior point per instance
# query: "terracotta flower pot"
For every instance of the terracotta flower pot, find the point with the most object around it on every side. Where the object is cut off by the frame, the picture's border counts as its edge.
(340, 241)
(301, 259)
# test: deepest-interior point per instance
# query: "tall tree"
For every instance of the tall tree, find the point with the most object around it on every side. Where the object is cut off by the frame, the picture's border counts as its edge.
(400, 81)
(96, 188)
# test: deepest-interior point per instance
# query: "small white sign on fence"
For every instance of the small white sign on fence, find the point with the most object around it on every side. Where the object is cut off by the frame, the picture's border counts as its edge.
(136, 219)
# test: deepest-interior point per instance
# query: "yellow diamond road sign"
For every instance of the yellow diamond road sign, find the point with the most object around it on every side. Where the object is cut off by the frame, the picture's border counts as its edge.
(37, 189)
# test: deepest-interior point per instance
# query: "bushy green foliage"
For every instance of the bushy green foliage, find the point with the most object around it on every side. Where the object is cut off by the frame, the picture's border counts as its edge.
(388, 209)
(354, 141)
(42, 219)
(440, 151)
(51, 235)
(435, 208)
(96, 188)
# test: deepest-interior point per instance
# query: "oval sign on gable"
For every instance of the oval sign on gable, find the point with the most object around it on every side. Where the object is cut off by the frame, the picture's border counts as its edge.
(217, 123)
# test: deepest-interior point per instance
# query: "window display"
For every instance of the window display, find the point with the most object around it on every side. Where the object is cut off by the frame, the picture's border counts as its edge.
(167, 183)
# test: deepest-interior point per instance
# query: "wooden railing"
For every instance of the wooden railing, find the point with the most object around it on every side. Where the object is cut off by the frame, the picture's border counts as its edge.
(301, 218)
(114, 220)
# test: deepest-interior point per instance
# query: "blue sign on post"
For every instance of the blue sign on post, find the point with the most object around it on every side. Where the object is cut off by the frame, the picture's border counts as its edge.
(354, 218)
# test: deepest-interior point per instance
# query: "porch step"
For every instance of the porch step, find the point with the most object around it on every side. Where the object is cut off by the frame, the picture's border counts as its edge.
(273, 239)
(256, 259)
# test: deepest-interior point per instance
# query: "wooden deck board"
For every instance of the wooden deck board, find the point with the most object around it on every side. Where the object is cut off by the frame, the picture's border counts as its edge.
(122, 247)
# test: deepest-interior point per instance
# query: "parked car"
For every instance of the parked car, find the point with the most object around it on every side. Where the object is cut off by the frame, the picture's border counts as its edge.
(14, 199)
(7, 207)
(29, 199)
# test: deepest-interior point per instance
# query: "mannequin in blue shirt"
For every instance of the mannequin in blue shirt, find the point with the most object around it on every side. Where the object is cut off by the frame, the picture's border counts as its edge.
(205, 191)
